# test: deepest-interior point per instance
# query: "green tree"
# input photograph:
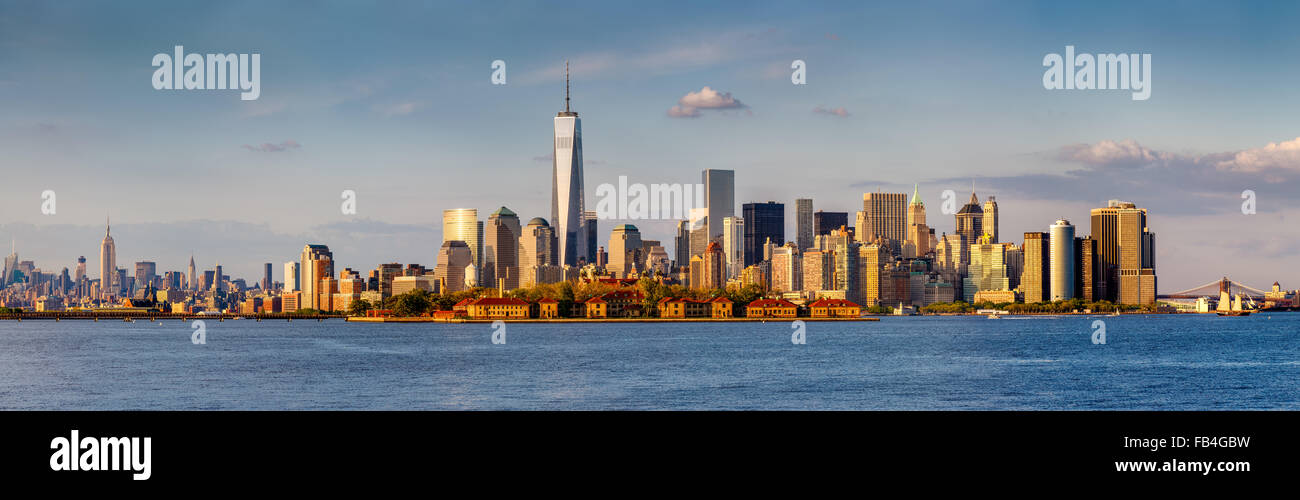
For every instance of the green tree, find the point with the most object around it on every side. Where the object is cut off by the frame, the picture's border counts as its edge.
(359, 307)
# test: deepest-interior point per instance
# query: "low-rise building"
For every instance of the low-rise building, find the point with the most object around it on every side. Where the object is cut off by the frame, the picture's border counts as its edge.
(834, 308)
(771, 308)
(498, 308)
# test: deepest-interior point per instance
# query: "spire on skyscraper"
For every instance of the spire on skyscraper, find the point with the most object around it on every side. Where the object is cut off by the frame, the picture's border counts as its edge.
(566, 85)
(916, 194)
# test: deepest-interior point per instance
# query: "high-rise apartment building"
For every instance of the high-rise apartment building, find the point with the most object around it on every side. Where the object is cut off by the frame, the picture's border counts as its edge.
(317, 263)
(763, 221)
(987, 269)
(787, 273)
(535, 251)
(454, 258)
(291, 282)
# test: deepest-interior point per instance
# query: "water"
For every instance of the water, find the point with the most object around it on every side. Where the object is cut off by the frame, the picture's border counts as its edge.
(1187, 362)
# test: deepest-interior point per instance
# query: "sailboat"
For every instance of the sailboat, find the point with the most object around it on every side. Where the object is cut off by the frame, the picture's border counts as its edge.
(1232, 307)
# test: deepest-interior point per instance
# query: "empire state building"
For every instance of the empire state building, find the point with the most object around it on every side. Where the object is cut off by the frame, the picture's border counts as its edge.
(107, 265)
(567, 200)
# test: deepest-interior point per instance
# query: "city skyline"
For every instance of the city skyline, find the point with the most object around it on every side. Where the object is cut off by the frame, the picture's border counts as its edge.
(1060, 157)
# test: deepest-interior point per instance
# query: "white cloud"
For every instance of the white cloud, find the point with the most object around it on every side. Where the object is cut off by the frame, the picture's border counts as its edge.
(707, 98)
(1284, 155)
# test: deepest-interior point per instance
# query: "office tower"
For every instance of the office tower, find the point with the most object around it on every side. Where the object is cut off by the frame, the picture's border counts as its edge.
(733, 245)
(818, 270)
(871, 266)
(81, 269)
(625, 251)
(1015, 260)
(122, 284)
(589, 224)
(501, 248)
(11, 263)
(682, 244)
(699, 231)
(987, 269)
(952, 254)
(1126, 249)
(108, 266)
(602, 258)
(145, 272)
(316, 263)
(1035, 280)
(719, 199)
(970, 220)
(453, 258)
(883, 215)
(763, 221)
(712, 263)
(266, 277)
(535, 250)
(991, 219)
(787, 274)
(567, 199)
(218, 283)
(695, 273)
(917, 242)
(657, 260)
(844, 261)
(384, 276)
(462, 224)
(291, 281)
(1062, 265)
(1088, 269)
(825, 222)
(192, 283)
(803, 220)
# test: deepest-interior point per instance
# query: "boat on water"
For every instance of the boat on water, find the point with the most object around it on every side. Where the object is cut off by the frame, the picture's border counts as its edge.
(994, 316)
(1232, 307)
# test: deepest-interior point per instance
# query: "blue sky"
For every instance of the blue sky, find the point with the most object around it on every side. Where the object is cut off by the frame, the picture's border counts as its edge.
(394, 100)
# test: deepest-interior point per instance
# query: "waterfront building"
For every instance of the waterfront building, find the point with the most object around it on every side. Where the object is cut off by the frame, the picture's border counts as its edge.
(1035, 280)
(462, 224)
(1061, 263)
(787, 275)
(1125, 253)
(316, 263)
(625, 251)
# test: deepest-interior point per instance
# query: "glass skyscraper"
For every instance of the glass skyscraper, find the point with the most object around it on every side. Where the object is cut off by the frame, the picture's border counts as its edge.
(567, 200)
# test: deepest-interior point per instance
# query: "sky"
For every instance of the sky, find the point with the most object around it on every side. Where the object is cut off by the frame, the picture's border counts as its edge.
(394, 101)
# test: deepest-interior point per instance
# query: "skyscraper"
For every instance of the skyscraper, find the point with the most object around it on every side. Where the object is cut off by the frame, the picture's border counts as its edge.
(535, 251)
(719, 199)
(1062, 264)
(1125, 253)
(970, 220)
(317, 263)
(567, 200)
(145, 272)
(883, 215)
(193, 284)
(291, 281)
(454, 258)
(1035, 280)
(825, 222)
(787, 271)
(266, 277)
(733, 245)
(11, 263)
(991, 219)
(763, 221)
(711, 272)
(917, 241)
(625, 251)
(987, 269)
(803, 220)
(501, 249)
(590, 224)
(107, 265)
(462, 224)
